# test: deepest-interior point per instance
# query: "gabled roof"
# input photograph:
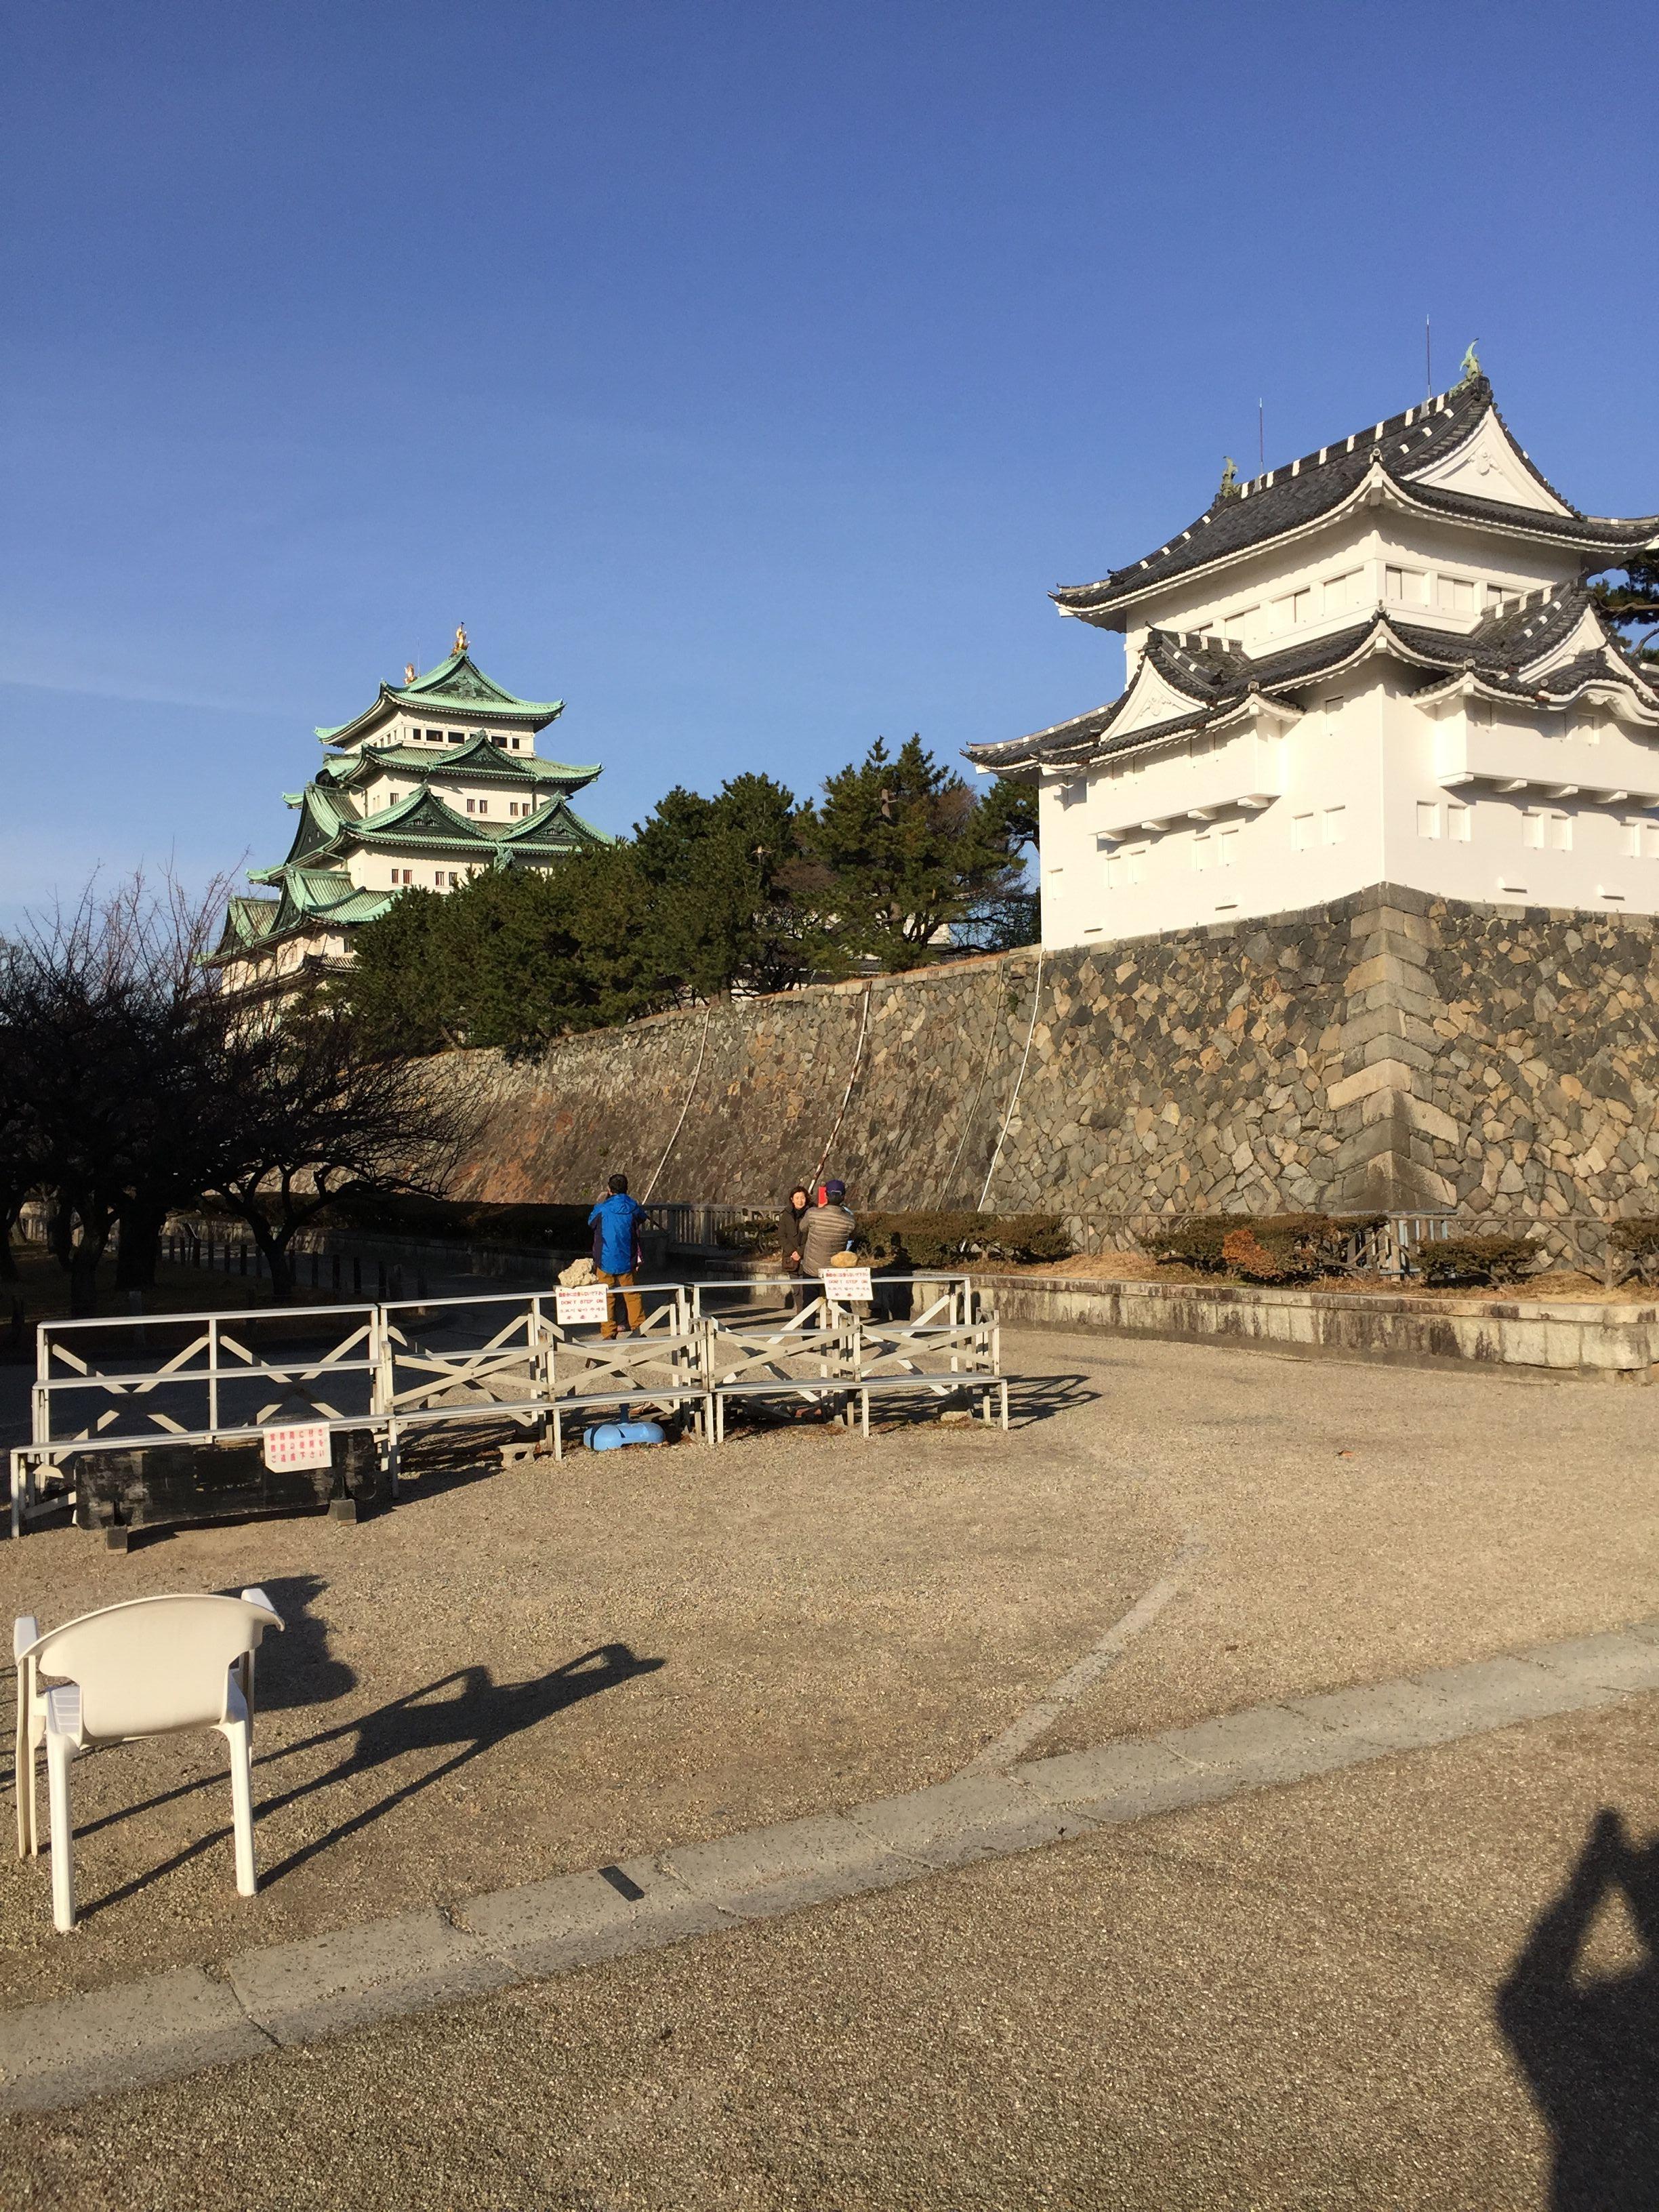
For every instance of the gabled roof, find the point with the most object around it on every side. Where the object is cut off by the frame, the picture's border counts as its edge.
(456, 690)
(479, 760)
(331, 827)
(1414, 456)
(1185, 685)
(311, 899)
(556, 827)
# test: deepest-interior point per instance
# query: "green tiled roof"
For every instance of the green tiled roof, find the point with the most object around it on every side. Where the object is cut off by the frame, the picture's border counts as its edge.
(479, 758)
(456, 688)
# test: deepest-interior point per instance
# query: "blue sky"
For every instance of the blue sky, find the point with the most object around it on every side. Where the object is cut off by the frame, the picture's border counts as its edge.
(744, 376)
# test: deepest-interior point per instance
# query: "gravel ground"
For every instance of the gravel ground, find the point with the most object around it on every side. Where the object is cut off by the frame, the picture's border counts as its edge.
(1311, 1997)
(516, 1673)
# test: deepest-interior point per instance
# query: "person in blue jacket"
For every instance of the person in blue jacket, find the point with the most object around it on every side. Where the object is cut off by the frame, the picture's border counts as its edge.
(615, 1222)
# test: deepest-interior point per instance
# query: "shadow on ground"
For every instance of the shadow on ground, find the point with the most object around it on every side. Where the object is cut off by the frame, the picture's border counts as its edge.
(459, 1716)
(1588, 2047)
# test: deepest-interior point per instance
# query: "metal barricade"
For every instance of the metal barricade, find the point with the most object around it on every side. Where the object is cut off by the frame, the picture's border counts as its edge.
(129, 1381)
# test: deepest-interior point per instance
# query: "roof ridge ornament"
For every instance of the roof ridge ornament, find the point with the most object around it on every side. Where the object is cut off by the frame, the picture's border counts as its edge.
(460, 645)
(1470, 366)
(1229, 487)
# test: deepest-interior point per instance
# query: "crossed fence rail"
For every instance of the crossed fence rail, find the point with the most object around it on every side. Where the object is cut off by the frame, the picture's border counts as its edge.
(399, 1366)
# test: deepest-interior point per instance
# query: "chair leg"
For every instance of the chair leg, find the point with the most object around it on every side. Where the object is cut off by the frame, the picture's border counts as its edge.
(22, 1772)
(58, 1755)
(240, 1737)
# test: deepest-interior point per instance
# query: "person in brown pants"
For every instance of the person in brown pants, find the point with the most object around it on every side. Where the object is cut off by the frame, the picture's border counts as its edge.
(615, 1222)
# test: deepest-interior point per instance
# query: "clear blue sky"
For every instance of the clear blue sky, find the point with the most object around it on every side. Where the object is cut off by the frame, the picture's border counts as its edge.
(744, 375)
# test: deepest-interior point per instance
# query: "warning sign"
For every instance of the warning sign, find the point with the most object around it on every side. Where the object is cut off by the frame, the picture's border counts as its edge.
(572, 1307)
(302, 1444)
(848, 1285)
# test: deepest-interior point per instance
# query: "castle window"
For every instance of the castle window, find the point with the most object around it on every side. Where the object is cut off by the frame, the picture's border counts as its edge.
(1200, 851)
(1335, 825)
(1343, 591)
(1428, 818)
(1457, 822)
(1302, 831)
(1406, 586)
(1456, 595)
(1226, 847)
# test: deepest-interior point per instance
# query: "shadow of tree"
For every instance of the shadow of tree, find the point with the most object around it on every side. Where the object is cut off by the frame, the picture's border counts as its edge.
(1589, 2047)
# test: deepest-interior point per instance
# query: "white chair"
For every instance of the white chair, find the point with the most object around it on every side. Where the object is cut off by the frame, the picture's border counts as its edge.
(151, 1666)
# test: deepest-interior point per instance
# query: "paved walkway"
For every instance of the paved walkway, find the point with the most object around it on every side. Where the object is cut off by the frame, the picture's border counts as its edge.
(168, 2025)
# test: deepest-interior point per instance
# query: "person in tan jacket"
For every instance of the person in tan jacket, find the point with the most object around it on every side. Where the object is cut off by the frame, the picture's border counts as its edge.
(827, 1229)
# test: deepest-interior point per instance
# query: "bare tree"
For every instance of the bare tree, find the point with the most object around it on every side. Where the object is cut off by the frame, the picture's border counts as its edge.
(314, 1107)
(130, 1084)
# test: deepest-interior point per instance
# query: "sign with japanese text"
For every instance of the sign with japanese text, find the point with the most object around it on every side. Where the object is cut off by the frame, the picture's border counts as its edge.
(298, 1445)
(572, 1307)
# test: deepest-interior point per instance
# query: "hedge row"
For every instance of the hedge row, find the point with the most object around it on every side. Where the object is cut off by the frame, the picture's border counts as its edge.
(944, 1240)
(1280, 1248)
(1299, 1248)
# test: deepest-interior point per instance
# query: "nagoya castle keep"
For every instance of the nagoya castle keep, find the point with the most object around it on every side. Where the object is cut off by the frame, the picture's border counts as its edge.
(1379, 664)
(438, 778)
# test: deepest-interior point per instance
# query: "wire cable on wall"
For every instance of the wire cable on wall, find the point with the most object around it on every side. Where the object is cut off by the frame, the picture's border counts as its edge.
(1036, 1000)
(691, 1091)
(950, 1182)
(858, 1058)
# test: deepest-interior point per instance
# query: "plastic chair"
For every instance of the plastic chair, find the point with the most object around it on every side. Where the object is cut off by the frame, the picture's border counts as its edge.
(153, 1666)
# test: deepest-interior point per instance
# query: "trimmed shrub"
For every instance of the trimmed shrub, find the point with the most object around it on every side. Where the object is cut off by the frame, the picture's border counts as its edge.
(1638, 1240)
(1476, 1260)
(1287, 1248)
(945, 1240)
(1282, 1247)
(1194, 1243)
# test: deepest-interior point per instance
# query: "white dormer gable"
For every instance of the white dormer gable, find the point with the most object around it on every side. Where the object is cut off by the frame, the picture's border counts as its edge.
(1587, 636)
(1149, 701)
(1490, 465)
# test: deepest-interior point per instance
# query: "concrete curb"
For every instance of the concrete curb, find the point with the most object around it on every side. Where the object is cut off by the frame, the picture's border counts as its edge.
(170, 2025)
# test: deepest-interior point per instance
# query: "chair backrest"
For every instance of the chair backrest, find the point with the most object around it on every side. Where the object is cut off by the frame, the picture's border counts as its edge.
(154, 1663)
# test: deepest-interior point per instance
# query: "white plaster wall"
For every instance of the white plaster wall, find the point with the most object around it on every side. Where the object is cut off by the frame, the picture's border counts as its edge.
(1366, 787)
(1362, 799)
(1246, 600)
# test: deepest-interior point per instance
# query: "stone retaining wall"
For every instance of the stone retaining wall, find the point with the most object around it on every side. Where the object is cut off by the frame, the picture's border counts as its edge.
(1611, 1343)
(1390, 1051)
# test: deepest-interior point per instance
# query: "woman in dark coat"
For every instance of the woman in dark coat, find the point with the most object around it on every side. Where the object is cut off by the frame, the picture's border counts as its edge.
(791, 1230)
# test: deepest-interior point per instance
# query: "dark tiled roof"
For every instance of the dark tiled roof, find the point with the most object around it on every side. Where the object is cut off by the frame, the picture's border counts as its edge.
(1219, 678)
(1285, 499)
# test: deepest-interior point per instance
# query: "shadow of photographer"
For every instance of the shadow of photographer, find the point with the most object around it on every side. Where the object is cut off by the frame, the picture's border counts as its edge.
(1588, 2047)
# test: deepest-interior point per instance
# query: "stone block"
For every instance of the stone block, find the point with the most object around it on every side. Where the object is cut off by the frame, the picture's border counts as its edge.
(1618, 1661)
(772, 1870)
(577, 1919)
(1494, 1691)
(1121, 1781)
(298, 1991)
(1388, 1073)
(1391, 1716)
(972, 1817)
(1265, 1743)
(69, 2048)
